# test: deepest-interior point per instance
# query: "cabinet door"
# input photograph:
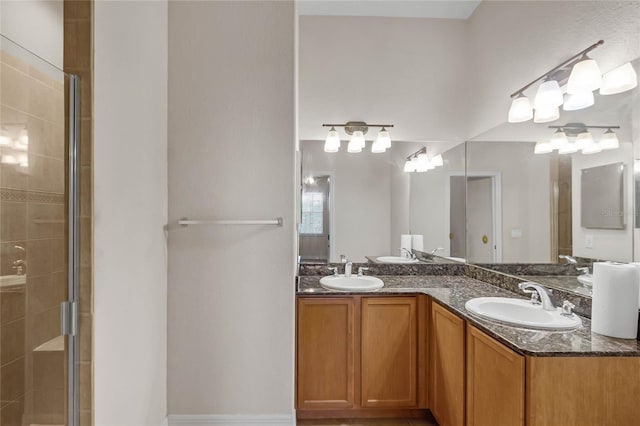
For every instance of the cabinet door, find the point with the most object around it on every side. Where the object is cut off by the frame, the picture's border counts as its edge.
(325, 353)
(389, 352)
(447, 367)
(494, 373)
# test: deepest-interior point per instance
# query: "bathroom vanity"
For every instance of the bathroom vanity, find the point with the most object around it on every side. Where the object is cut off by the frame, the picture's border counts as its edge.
(412, 347)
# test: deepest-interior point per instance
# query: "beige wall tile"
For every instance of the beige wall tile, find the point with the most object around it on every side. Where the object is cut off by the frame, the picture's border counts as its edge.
(12, 305)
(13, 221)
(14, 85)
(46, 220)
(8, 254)
(12, 385)
(85, 386)
(11, 414)
(39, 257)
(86, 142)
(46, 174)
(12, 336)
(42, 327)
(86, 326)
(77, 45)
(13, 61)
(46, 292)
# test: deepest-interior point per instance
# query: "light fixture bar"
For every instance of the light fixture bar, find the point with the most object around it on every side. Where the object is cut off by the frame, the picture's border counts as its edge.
(351, 124)
(583, 126)
(422, 150)
(562, 65)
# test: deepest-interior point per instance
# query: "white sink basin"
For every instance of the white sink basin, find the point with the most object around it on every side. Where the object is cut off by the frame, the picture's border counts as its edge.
(396, 259)
(586, 280)
(352, 283)
(521, 313)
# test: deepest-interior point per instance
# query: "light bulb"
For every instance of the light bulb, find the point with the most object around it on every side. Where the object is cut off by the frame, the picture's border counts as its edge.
(609, 140)
(332, 143)
(578, 101)
(542, 148)
(383, 138)
(547, 114)
(585, 76)
(521, 109)
(548, 95)
(558, 139)
(619, 80)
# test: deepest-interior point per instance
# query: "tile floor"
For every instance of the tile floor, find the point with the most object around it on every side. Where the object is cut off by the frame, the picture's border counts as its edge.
(368, 422)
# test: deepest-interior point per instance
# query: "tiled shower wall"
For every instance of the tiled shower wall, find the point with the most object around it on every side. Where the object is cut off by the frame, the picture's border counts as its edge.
(78, 60)
(32, 233)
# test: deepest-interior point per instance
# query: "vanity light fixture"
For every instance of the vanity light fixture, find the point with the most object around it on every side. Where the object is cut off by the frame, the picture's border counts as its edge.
(574, 137)
(420, 162)
(14, 144)
(357, 130)
(582, 76)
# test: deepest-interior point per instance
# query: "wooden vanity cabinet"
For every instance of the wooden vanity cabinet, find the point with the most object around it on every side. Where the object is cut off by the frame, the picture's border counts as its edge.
(326, 351)
(495, 382)
(361, 356)
(447, 355)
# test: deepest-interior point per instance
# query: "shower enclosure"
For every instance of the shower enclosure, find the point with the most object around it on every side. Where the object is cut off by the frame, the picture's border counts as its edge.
(38, 241)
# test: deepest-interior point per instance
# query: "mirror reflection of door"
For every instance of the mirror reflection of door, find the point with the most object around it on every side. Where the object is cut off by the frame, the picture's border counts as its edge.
(315, 228)
(457, 219)
(481, 241)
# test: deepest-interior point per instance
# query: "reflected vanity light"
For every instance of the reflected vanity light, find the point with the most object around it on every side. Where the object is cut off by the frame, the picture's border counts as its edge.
(420, 162)
(581, 140)
(14, 144)
(357, 130)
(582, 76)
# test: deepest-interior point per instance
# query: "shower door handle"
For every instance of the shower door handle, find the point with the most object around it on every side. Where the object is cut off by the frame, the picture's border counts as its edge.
(69, 318)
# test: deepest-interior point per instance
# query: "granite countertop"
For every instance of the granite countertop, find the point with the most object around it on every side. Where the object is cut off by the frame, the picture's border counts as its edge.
(453, 291)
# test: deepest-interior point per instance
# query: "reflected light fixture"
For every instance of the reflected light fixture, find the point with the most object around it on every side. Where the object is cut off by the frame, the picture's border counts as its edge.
(574, 137)
(420, 162)
(619, 80)
(582, 76)
(357, 130)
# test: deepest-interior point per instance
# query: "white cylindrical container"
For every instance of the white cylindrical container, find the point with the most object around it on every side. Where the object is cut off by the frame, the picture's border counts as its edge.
(615, 300)
(417, 242)
(405, 242)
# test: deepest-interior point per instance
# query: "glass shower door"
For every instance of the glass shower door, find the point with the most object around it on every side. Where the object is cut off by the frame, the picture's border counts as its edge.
(37, 346)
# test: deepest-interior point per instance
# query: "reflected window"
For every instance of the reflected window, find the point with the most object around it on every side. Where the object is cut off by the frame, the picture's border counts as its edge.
(312, 213)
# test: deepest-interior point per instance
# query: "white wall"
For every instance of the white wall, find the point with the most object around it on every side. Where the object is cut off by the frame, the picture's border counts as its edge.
(130, 208)
(608, 244)
(509, 43)
(36, 25)
(231, 155)
(383, 70)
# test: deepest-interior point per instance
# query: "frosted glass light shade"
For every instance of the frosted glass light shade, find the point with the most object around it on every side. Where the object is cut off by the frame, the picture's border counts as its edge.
(377, 147)
(568, 148)
(585, 75)
(409, 166)
(521, 110)
(424, 163)
(578, 101)
(558, 139)
(542, 148)
(9, 159)
(358, 139)
(547, 114)
(5, 141)
(332, 143)
(383, 138)
(354, 147)
(437, 161)
(619, 80)
(609, 140)
(548, 95)
(584, 139)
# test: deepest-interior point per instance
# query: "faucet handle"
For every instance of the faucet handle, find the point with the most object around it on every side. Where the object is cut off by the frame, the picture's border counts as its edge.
(334, 269)
(361, 271)
(567, 308)
(535, 297)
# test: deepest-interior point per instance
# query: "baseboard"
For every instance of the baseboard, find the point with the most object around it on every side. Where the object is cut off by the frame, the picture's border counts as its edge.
(231, 420)
(165, 422)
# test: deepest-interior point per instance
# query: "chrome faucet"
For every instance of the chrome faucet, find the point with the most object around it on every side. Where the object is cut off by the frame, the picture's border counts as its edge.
(570, 259)
(347, 268)
(435, 250)
(20, 265)
(407, 253)
(545, 295)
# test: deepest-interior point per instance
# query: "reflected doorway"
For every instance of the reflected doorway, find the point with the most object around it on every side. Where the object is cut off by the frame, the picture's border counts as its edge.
(484, 223)
(316, 225)
(457, 217)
